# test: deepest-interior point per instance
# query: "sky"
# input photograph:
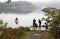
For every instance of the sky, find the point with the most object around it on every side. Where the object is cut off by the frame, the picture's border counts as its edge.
(34, 0)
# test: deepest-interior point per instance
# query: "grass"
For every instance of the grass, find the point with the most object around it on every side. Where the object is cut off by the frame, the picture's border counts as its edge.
(28, 33)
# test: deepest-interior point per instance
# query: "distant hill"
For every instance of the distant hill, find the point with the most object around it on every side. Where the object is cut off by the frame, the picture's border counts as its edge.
(49, 10)
(16, 7)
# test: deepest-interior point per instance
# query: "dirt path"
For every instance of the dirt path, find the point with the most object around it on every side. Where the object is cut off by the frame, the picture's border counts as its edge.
(34, 36)
(42, 35)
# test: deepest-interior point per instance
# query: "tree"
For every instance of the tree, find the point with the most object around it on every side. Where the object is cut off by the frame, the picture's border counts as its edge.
(54, 19)
(3, 24)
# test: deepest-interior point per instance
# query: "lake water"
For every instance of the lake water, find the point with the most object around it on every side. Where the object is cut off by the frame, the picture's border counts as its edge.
(24, 19)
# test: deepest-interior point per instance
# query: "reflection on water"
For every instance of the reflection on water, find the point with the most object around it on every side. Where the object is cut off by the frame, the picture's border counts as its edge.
(24, 19)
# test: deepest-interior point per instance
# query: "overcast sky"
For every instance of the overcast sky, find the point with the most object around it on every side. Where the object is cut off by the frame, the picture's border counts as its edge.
(34, 0)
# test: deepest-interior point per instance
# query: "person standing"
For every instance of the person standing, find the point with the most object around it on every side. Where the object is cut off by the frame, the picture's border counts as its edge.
(46, 25)
(16, 20)
(34, 22)
(39, 21)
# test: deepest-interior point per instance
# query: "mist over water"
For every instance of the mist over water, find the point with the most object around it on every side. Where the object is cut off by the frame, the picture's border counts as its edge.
(23, 19)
